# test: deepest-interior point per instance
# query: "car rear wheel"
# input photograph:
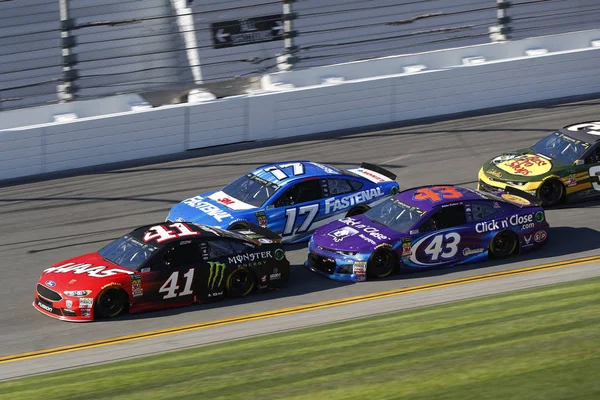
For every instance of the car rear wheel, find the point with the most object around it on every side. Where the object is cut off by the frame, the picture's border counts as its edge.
(551, 193)
(239, 283)
(237, 226)
(503, 244)
(357, 211)
(381, 264)
(111, 303)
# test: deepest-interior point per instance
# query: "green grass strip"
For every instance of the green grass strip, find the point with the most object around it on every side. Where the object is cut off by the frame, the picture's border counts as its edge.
(541, 343)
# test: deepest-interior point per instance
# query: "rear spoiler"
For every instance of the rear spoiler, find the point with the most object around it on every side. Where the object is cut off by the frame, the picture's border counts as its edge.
(533, 201)
(256, 232)
(374, 173)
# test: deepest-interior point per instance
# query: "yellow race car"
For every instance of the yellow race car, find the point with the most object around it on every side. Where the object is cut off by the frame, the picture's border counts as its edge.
(564, 166)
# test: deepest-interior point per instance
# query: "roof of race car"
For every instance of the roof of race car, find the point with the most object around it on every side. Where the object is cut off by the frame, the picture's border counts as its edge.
(161, 234)
(286, 171)
(428, 197)
(587, 134)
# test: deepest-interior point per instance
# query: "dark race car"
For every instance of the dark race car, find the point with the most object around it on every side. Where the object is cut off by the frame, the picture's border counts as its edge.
(564, 166)
(290, 198)
(426, 227)
(162, 266)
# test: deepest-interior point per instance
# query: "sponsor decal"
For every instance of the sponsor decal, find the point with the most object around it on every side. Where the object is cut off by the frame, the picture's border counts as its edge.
(572, 180)
(371, 231)
(367, 239)
(86, 313)
(406, 247)
(136, 285)
(359, 268)
(69, 303)
(145, 270)
(525, 221)
(325, 168)
(226, 201)
(261, 217)
(86, 302)
(515, 199)
(376, 177)
(50, 283)
(527, 240)
(494, 172)
(265, 240)
(99, 271)
(539, 216)
(211, 210)
(263, 279)
(229, 201)
(250, 234)
(111, 284)
(215, 294)
(342, 233)
(525, 165)
(468, 252)
(279, 254)
(251, 257)
(275, 275)
(333, 205)
(45, 307)
(496, 204)
(540, 236)
(216, 275)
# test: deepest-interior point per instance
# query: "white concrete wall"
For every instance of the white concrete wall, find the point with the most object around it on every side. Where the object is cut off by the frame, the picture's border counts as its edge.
(300, 111)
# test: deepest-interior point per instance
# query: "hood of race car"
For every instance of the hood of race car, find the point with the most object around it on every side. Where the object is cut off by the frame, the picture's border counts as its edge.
(357, 234)
(522, 165)
(86, 272)
(213, 208)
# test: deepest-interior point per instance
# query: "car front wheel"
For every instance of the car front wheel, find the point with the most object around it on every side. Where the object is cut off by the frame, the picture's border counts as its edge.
(111, 303)
(381, 264)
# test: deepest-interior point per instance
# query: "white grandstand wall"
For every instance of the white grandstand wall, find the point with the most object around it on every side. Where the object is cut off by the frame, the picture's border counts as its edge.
(306, 110)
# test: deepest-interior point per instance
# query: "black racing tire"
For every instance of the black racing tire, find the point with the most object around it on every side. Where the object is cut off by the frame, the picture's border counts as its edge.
(551, 192)
(504, 244)
(381, 264)
(237, 226)
(111, 302)
(240, 283)
(357, 210)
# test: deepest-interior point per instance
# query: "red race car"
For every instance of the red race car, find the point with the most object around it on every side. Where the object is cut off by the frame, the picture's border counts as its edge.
(162, 266)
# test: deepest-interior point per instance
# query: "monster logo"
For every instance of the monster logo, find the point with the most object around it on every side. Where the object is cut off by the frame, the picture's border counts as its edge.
(217, 273)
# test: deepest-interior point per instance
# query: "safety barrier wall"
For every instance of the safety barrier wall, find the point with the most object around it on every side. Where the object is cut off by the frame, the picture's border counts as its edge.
(312, 109)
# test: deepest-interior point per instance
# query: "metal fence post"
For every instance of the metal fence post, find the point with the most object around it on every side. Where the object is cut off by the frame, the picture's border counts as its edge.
(501, 31)
(66, 90)
(286, 61)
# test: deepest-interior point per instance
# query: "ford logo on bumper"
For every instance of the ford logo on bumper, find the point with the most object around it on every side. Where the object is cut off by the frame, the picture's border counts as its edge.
(50, 283)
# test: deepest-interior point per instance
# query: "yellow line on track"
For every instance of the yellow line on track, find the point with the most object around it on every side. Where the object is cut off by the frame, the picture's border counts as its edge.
(293, 310)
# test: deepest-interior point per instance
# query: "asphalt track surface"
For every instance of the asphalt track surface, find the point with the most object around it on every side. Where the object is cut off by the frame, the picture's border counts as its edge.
(45, 222)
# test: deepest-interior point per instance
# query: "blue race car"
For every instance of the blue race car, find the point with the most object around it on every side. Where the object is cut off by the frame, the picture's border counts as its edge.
(290, 198)
(427, 227)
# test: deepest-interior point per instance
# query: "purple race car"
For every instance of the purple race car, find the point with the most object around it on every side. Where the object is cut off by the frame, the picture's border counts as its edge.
(424, 227)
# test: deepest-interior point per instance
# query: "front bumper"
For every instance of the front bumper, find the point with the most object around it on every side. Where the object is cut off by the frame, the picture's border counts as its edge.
(487, 184)
(76, 309)
(335, 266)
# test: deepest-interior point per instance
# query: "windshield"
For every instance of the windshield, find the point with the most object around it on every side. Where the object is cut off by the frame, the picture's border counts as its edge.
(251, 190)
(127, 252)
(395, 214)
(561, 147)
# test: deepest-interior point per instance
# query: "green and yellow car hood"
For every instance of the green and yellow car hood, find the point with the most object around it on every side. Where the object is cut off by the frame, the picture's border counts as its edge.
(522, 165)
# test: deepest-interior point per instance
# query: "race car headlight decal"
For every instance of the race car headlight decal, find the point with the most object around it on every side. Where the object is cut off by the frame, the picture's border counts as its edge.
(347, 253)
(517, 183)
(77, 293)
(345, 269)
